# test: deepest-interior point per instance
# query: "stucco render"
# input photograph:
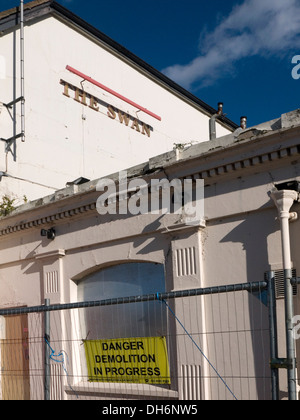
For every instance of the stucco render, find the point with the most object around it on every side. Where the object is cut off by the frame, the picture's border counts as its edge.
(239, 241)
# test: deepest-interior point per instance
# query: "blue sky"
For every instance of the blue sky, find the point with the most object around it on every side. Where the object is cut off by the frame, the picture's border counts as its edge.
(236, 51)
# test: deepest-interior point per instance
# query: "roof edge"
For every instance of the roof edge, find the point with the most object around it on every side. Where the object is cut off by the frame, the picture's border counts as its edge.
(120, 49)
(141, 63)
(249, 139)
(27, 6)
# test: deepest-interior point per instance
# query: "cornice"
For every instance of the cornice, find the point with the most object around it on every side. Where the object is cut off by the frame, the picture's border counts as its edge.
(39, 222)
(59, 253)
(248, 162)
(232, 165)
(228, 155)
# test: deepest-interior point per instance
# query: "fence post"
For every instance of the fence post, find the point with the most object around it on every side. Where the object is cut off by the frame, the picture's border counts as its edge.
(47, 379)
(273, 334)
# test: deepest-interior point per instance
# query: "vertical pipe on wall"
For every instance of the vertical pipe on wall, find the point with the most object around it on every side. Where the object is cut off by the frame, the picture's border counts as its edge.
(273, 334)
(47, 374)
(212, 122)
(284, 200)
(22, 70)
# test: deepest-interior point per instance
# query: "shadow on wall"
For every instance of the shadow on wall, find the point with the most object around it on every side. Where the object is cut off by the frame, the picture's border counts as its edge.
(253, 233)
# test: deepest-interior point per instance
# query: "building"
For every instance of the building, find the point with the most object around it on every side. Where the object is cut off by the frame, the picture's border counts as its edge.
(59, 247)
(90, 107)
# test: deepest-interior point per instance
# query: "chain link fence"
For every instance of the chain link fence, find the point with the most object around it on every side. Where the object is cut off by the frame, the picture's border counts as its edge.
(202, 344)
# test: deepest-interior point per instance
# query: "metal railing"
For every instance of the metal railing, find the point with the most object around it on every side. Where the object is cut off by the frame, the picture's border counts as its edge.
(223, 336)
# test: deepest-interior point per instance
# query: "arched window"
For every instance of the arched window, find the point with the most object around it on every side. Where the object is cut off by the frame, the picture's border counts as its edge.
(143, 319)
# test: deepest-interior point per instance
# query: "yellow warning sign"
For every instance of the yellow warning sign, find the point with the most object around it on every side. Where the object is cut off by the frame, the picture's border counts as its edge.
(134, 360)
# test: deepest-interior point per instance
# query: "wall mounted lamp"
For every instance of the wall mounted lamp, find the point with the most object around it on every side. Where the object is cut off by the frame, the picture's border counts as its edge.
(50, 233)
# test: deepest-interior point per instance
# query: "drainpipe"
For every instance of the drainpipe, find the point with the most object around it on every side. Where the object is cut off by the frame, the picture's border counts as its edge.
(22, 70)
(212, 122)
(284, 200)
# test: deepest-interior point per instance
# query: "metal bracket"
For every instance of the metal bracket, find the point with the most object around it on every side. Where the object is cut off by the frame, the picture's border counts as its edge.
(17, 136)
(281, 364)
(11, 140)
(15, 101)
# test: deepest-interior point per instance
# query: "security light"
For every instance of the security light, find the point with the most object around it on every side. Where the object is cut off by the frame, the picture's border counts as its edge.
(78, 181)
(50, 233)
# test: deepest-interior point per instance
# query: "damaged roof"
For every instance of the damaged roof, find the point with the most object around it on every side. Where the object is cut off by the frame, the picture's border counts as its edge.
(27, 6)
(276, 140)
(43, 8)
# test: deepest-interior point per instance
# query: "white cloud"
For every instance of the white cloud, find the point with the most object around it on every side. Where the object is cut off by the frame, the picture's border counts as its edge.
(256, 27)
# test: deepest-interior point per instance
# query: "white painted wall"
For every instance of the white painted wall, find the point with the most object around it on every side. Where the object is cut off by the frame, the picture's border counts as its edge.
(65, 139)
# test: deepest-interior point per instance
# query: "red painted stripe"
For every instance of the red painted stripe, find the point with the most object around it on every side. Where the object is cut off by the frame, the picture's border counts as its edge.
(123, 98)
